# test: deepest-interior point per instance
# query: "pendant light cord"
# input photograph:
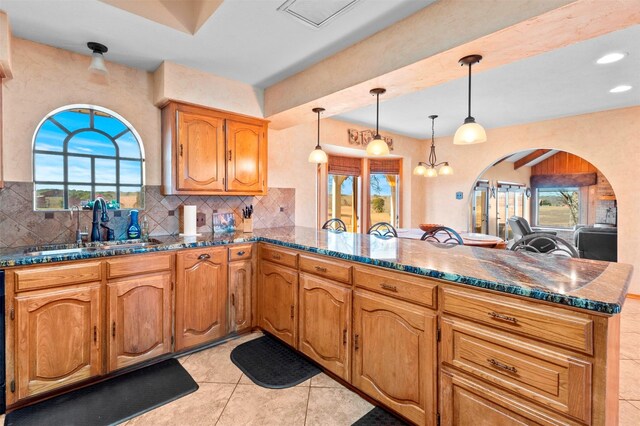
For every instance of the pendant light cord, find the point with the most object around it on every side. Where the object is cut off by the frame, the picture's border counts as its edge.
(377, 112)
(318, 144)
(469, 115)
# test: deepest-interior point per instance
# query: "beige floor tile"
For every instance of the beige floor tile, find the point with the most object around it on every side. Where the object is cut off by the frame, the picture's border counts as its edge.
(335, 407)
(255, 405)
(630, 323)
(323, 381)
(635, 404)
(629, 379)
(629, 415)
(244, 380)
(214, 365)
(184, 358)
(202, 407)
(630, 346)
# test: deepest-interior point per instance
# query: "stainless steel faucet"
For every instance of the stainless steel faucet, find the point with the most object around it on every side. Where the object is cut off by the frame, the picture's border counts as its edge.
(95, 227)
(79, 233)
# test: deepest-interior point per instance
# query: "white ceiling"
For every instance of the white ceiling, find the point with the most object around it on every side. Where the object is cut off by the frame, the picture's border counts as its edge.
(554, 84)
(245, 40)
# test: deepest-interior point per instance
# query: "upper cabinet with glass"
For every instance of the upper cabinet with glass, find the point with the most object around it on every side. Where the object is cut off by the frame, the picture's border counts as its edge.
(81, 152)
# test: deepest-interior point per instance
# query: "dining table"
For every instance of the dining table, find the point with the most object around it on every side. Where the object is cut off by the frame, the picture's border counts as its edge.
(468, 238)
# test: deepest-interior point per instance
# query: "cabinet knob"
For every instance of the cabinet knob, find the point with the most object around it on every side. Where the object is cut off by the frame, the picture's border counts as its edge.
(241, 253)
(204, 256)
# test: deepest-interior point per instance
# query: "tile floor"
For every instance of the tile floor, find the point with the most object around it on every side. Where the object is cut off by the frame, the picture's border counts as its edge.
(228, 397)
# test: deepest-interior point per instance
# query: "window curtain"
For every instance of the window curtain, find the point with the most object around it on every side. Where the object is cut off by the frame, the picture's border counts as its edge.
(386, 167)
(347, 166)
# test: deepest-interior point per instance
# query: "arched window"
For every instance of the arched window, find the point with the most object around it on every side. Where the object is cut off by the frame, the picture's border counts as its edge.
(81, 152)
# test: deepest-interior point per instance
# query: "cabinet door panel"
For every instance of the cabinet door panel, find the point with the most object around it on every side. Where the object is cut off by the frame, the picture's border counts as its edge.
(394, 355)
(139, 319)
(246, 157)
(277, 295)
(325, 310)
(201, 297)
(201, 152)
(240, 279)
(59, 335)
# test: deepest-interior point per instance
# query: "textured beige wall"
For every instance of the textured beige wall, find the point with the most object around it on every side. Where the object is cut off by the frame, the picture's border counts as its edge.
(46, 78)
(288, 166)
(608, 140)
(173, 81)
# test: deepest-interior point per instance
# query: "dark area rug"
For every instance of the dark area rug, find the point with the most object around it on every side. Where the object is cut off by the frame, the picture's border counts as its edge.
(272, 364)
(113, 401)
(379, 417)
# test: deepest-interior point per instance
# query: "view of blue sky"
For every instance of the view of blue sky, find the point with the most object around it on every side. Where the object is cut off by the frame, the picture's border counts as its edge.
(382, 188)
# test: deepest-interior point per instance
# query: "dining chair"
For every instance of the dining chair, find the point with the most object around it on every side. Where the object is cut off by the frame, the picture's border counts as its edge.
(547, 244)
(335, 225)
(442, 234)
(383, 229)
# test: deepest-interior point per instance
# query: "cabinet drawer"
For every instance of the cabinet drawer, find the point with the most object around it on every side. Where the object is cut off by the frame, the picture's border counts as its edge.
(327, 268)
(59, 275)
(556, 379)
(240, 252)
(414, 289)
(280, 256)
(558, 326)
(133, 265)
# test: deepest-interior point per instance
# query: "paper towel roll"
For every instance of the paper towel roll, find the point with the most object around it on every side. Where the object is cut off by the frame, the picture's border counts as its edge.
(189, 220)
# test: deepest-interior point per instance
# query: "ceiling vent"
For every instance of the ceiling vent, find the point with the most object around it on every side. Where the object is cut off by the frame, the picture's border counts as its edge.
(316, 13)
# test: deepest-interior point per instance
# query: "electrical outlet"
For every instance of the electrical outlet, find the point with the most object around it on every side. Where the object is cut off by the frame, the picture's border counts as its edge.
(201, 219)
(458, 195)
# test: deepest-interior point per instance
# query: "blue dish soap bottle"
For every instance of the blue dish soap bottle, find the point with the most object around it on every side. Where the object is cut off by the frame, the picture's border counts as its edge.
(133, 231)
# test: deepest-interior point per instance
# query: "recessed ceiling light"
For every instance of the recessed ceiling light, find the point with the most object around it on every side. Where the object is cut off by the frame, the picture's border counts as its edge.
(610, 58)
(620, 89)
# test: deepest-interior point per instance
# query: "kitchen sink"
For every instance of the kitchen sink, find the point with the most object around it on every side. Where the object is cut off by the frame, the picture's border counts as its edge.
(115, 246)
(107, 245)
(59, 252)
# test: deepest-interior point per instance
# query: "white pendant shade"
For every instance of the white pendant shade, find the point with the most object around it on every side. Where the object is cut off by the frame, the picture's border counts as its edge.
(97, 63)
(420, 170)
(318, 156)
(377, 146)
(431, 172)
(470, 133)
(446, 170)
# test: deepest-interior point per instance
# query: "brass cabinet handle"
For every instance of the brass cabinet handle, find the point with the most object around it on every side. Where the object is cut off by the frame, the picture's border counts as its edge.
(241, 253)
(389, 287)
(180, 150)
(291, 311)
(503, 317)
(502, 366)
(356, 343)
(233, 299)
(344, 337)
(95, 333)
(275, 256)
(113, 329)
(204, 256)
(229, 155)
(321, 269)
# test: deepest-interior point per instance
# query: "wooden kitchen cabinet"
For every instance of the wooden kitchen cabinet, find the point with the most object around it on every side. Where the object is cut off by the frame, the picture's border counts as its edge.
(246, 156)
(59, 335)
(139, 319)
(211, 152)
(201, 296)
(394, 355)
(201, 152)
(277, 301)
(325, 323)
(240, 280)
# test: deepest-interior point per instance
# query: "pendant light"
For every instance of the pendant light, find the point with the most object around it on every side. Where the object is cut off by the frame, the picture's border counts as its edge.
(430, 169)
(470, 132)
(377, 145)
(97, 58)
(318, 155)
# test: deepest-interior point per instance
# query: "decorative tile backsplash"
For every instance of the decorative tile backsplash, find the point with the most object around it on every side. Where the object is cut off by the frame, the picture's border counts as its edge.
(21, 226)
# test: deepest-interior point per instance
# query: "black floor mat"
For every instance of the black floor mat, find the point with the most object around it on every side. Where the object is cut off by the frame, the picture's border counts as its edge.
(272, 364)
(379, 417)
(113, 401)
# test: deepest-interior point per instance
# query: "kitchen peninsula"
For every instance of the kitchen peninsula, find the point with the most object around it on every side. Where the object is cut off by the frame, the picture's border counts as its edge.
(432, 332)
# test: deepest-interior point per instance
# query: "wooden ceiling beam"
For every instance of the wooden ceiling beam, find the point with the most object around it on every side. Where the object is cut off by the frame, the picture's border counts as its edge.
(524, 161)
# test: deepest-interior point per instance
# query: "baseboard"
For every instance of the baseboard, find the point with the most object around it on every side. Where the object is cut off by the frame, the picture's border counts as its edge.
(633, 296)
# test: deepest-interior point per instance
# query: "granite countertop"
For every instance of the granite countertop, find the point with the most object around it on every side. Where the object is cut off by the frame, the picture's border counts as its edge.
(587, 284)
